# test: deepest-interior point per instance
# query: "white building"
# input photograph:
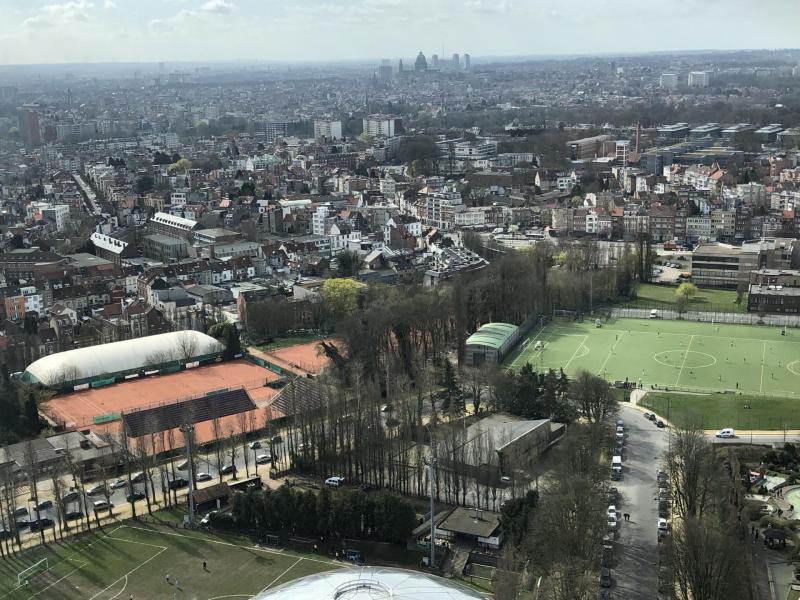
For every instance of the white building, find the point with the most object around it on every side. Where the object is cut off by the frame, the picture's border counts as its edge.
(328, 129)
(382, 125)
(699, 78)
(669, 81)
(318, 220)
(58, 213)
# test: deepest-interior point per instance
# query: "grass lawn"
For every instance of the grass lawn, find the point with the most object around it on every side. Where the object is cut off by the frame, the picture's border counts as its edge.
(278, 343)
(680, 355)
(650, 295)
(715, 411)
(135, 558)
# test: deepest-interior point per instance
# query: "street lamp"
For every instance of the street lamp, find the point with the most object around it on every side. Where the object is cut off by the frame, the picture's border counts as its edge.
(187, 430)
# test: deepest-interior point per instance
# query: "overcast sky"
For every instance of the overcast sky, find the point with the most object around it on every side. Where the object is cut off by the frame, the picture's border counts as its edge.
(36, 31)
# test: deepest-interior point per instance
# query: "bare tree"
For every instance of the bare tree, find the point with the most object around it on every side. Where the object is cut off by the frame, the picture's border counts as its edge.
(592, 396)
(32, 471)
(692, 471)
(233, 449)
(185, 345)
(216, 428)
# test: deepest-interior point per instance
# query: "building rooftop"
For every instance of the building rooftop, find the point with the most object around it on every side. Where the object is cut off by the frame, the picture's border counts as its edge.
(470, 521)
(493, 335)
(370, 583)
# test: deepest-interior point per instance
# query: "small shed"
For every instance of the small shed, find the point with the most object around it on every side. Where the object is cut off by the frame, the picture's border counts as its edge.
(213, 497)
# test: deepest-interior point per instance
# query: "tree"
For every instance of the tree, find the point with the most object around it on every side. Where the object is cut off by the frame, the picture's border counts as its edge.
(144, 184)
(687, 290)
(340, 295)
(692, 471)
(741, 290)
(228, 335)
(592, 396)
(348, 263)
(180, 166)
(421, 152)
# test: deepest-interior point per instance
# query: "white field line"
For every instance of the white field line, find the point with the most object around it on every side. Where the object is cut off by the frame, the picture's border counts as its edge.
(685, 356)
(611, 351)
(583, 341)
(156, 555)
(271, 583)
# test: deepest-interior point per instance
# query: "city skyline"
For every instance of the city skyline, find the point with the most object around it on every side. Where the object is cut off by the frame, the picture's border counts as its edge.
(109, 31)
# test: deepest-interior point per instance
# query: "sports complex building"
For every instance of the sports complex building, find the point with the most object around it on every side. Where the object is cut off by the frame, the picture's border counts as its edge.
(157, 383)
(490, 343)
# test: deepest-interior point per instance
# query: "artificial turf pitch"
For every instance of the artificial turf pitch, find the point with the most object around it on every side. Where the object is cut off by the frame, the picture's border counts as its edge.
(679, 355)
(133, 559)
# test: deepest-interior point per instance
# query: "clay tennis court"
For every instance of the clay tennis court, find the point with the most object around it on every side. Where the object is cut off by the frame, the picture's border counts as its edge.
(303, 359)
(78, 409)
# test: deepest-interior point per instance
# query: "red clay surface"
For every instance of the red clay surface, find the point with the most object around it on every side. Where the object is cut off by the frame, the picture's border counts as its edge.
(303, 359)
(79, 408)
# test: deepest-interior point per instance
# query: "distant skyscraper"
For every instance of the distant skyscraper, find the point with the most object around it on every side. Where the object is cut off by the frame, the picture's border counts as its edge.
(669, 81)
(435, 61)
(385, 71)
(400, 66)
(420, 64)
(699, 78)
(29, 126)
(456, 60)
(467, 62)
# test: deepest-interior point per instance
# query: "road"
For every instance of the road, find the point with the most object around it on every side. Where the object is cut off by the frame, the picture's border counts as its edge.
(636, 569)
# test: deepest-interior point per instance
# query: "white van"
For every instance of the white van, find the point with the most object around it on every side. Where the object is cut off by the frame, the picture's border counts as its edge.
(616, 467)
(728, 432)
(654, 313)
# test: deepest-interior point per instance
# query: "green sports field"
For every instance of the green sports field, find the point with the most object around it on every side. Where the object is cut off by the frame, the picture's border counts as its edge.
(671, 354)
(135, 559)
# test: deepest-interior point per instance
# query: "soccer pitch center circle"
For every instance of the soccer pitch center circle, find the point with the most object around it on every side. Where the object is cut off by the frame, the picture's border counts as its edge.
(794, 367)
(688, 360)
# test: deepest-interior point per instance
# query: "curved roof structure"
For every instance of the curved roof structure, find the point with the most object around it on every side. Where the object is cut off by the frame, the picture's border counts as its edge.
(370, 583)
(493, 335)
(64, 368)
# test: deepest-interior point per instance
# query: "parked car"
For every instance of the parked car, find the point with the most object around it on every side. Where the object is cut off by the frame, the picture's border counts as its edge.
(138, 477)
(203, 477)
(70, 496)
(42, 523)
(255, 445)
(22, 523)
(334, 481)
(183, 465)
(612, 511)
(134, 496)
(45, 504)
(276, 439)
(178, 483)
(119, 483)
(100, 505)
(226, 469)
(726, 433)
(21, 511)
(506, 479)
(605, 578)
(354, 556)
(73, 515)
(648, 415)
(611, 522)
(96, 490)
(662, 525)
(207, 518)
(660, 424)
(263, 459)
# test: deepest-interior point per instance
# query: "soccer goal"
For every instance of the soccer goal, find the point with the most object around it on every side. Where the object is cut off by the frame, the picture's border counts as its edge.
(32, 571)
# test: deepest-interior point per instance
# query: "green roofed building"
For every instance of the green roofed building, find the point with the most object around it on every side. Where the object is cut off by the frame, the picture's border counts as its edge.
(490, 343)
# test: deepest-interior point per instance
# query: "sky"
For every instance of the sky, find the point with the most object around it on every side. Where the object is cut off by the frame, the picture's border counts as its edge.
(90, 31)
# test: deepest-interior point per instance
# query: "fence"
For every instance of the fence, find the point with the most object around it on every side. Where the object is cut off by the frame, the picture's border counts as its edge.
(708, 316)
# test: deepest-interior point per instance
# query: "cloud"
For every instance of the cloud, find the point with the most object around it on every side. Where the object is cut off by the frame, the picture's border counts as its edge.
(55, 14)
(109, 4)
(218, 7)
